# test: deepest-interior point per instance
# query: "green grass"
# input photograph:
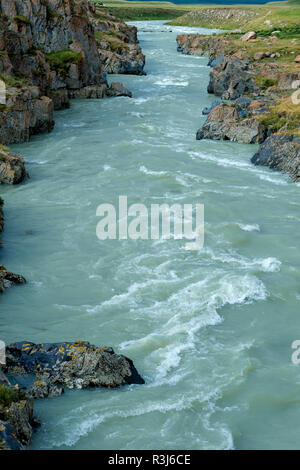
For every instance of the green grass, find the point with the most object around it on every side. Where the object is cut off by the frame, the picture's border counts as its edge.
(8, 396)
(143, 14)
(265, 82)
(61, 60)
(283, 114)
(12, 81)
(112, 39)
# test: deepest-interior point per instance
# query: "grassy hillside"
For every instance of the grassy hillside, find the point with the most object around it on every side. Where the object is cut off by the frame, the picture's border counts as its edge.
(258, 17)
(250, 17)
(147, 10)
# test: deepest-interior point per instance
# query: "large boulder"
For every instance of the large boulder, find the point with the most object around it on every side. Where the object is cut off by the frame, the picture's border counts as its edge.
(249, 36)
(223, 123)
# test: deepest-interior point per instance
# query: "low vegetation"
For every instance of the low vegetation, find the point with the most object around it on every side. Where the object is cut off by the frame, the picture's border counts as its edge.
(60, 61)
(284, 114)
(13, 81)
(115, 44)
(8, 396)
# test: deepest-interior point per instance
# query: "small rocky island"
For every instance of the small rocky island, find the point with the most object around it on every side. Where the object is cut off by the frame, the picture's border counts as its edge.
(55, 366)
(257, 75)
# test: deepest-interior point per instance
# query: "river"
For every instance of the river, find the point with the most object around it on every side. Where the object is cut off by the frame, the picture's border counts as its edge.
(209, 330)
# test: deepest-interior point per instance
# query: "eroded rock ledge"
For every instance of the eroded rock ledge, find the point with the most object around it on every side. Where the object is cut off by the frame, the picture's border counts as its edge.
(56, 366)
(246, 71)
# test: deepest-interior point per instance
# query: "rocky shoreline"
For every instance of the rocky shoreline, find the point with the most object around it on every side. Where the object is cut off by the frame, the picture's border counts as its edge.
(257, 83)
(52, 51)
(54, 366)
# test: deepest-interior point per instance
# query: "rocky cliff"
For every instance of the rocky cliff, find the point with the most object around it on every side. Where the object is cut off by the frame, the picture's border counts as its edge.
(258, 76)
(50, 52)
(118, 45)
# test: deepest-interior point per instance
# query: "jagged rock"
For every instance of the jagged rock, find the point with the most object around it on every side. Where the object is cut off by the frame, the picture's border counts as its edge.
(12, 168)
(231, 79)
(70, 365)
(248, 36)
(280, 152)
(206, 111)
(223, 123)
(16, 417)
(8, 279)
(24, 116)
(73, 365)
(118, 89)
(118, 45)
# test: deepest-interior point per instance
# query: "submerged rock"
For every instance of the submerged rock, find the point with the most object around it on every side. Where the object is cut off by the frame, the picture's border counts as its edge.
(280, 152)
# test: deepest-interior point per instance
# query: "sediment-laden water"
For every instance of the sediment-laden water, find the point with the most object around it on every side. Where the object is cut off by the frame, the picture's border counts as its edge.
(210, 331)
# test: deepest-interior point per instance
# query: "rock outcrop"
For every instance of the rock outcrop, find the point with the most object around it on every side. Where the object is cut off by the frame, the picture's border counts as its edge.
(223, 123)
(16, 416)
(8, 279)
(263, 112)
(118, 45)
(12, 167)
(280, 152)
(73, 365)
(54, 50)
(69, 365)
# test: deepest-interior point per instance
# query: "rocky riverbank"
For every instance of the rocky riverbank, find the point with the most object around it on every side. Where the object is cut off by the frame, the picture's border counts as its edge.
(259, 75)
(52, 51)
(55, 366)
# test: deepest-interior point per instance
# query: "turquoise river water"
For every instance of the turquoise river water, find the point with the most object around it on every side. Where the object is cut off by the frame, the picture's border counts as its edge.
(209, 330)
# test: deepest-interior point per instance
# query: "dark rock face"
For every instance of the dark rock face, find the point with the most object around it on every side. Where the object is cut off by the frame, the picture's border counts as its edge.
(223, 123)
(70, 365)
(230, 79)
(280, 152)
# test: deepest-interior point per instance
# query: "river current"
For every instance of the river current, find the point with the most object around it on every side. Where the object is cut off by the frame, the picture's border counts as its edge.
(209, 330)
